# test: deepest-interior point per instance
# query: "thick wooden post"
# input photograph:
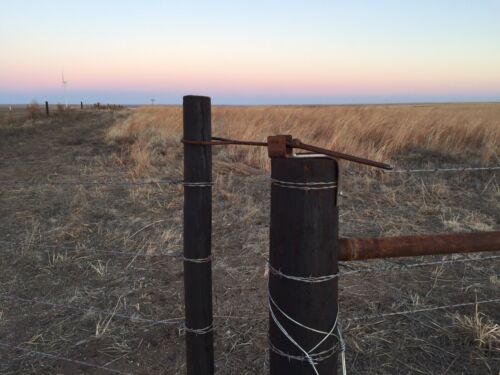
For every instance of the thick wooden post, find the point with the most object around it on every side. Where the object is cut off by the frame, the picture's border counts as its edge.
(47, 108)
(198, 236)
(81, 105)
(303, 266)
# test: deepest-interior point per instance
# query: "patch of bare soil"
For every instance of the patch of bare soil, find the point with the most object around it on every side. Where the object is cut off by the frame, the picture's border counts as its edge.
(72, 251)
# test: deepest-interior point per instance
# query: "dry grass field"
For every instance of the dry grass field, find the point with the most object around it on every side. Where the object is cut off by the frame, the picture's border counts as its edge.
(111, 247)
(464, 132)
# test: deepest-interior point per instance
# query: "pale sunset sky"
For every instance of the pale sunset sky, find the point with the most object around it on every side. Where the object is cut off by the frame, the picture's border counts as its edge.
(250, 52)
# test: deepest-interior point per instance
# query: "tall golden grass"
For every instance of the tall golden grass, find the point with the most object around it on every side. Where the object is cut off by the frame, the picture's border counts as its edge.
(383, 133)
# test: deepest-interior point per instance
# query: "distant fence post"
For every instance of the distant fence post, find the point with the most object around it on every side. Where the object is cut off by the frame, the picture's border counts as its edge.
(81, 105)
(198, 236)
(47, 108)
(303, 283)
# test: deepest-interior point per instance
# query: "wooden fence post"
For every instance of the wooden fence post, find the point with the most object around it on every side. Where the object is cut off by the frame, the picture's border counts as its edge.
(81, 105)
(198, 237)
(47, 108)
(303, 266)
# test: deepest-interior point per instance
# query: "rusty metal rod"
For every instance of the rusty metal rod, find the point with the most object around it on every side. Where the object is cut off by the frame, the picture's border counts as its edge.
(276, 151)
(409, 246)
(296, 143)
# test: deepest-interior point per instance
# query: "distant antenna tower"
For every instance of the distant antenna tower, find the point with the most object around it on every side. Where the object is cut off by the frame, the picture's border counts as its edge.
(65, 85)
(152, 102)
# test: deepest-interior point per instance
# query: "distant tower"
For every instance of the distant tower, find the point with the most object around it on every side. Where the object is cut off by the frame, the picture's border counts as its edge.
(65, 85)
(152, 102)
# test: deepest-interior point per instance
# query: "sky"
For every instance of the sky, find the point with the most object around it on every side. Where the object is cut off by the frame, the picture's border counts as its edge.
(250, 52)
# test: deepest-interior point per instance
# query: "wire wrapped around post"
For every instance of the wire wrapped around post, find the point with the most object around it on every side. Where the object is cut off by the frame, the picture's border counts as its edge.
(304, 336)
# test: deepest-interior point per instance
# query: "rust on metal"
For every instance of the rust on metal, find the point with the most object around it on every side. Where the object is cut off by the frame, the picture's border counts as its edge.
(227, 141)
(409, 246)
(297, 143)
(281, 146)
(218, 141)
(278, 146)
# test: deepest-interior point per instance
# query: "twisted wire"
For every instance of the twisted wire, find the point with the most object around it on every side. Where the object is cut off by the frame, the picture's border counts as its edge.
(91, 183)
(197, 331)
(305, 279)
(94, 310)
(342, 348)
(198, 260)
(316, 357)
(54, 356)
(416, 311)
(78, 249)
(312, 358)
(198, 184)
(304, 185)
(406, 267)
(432, 170)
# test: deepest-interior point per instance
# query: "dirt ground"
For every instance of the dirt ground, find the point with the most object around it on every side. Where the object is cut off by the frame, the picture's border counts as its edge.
(113, 247)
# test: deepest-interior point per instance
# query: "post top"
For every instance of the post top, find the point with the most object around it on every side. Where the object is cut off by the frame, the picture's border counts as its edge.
(195, 96)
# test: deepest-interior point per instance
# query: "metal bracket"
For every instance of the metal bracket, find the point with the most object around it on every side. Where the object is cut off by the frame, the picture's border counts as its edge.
(279, 146)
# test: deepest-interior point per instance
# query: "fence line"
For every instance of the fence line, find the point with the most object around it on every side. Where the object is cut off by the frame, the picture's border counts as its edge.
(89, 183)
(383, 315)
(15, 162)
(92, 309)
(432, 170)
(54, 356)
(179, 256)
(79, 249)
(426, 309)
(406, 267)
(387, 268)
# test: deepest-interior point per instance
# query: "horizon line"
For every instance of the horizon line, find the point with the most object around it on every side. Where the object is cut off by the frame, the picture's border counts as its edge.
(267, 104)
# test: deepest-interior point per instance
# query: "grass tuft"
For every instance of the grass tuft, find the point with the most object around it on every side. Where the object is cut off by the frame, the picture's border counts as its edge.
(479, 330)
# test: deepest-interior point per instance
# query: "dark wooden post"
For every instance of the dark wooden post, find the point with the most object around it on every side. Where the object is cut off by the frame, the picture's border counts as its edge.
(81, 105)
(47, 108)
(198, 237)
(303, 245)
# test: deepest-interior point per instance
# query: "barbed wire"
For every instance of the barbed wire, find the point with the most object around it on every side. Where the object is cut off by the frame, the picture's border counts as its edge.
(422, 310)
(179, 255)
(143, 182)
(82, 249)
(54, 356)
(133, 318)
(91, 309)
(406, 312)
(16, 162)
(7, 184)
(432, 170)
(383, 268)
(406, 267)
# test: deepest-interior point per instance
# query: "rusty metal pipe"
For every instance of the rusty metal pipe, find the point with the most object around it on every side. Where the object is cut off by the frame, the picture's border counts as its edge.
(409, 246)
